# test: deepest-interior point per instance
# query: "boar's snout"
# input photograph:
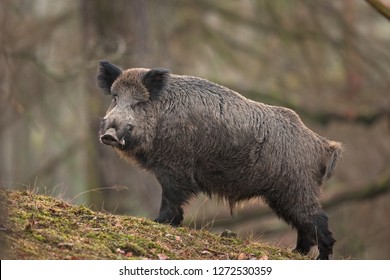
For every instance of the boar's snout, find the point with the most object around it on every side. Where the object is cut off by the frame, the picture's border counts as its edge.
(110, 138)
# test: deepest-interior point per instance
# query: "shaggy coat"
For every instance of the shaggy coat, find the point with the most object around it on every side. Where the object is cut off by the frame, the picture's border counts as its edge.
(197, 136)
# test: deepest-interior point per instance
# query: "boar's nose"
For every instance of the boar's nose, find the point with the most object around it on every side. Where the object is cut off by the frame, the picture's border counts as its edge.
(110, 138)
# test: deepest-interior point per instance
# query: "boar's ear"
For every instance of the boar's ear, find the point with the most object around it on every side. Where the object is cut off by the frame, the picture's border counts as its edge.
(155, 80)
(107, 74)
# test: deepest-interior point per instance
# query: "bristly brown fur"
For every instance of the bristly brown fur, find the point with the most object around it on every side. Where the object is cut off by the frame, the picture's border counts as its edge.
(197, 136)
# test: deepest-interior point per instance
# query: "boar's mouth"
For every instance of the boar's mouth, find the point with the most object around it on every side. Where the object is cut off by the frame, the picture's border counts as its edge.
(110, 138)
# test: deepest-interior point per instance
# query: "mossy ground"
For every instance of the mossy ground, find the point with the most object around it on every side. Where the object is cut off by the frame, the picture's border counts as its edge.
(42, 227)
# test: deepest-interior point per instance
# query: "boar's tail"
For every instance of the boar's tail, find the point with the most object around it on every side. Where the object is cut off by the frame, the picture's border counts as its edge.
(334, 150)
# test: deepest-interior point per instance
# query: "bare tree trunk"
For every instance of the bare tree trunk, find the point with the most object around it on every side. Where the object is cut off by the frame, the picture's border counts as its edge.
(118, 31)
(93, 14)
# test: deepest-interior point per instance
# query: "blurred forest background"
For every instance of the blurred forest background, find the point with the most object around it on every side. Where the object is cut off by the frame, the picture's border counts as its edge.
(328, 60)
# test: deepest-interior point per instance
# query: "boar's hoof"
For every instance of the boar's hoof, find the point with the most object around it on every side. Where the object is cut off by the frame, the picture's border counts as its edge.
(173, 221)
(324, 257)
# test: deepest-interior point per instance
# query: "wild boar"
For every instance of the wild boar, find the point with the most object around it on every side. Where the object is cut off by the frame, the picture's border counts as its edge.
(197, 136)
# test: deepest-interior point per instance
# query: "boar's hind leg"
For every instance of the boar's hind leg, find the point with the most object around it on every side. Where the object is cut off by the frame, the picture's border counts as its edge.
(310, 221)
(304, 242)
(315, 233)
(325, 238)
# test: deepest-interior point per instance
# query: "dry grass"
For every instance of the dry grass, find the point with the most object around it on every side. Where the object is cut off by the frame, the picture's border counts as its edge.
(42, 227)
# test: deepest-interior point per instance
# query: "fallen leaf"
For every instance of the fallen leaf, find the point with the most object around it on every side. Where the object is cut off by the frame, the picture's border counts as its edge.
(242, 256)
(120, 251)
(162, 257)
(205, 252)
(264, 257)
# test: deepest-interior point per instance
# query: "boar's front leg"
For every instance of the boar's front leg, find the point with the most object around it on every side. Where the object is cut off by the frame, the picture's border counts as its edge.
(170, 212)
(173, 197)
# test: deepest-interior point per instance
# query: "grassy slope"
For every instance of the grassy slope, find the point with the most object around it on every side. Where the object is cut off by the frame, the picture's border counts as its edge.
(41, 227)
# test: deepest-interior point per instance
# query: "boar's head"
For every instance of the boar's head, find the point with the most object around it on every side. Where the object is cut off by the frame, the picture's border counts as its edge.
(132, 110)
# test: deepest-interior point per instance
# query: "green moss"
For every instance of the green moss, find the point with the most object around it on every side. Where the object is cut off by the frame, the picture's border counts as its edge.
(39, 237)
(41, 227)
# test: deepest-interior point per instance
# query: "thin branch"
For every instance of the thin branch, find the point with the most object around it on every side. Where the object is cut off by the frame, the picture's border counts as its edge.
(323, 118)
(380, 7)
(378, 188)
(381, 187)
